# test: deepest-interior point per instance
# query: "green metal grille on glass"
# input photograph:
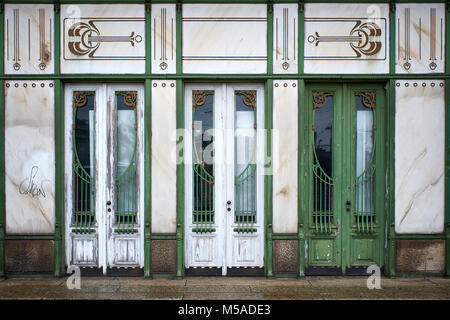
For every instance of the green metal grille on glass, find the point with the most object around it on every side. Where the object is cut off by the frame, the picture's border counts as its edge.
(125, 181)
(203, 162)
(83, 217)
(322, 147)
(245, 165)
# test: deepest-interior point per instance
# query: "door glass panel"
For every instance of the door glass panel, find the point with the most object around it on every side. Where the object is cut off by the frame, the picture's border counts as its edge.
(203, 162)
(365, 162)
(245, 164)
(83, 161)
(125, 171)
(323, 183)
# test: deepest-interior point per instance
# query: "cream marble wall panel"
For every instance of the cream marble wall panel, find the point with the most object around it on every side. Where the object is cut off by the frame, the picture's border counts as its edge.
(29, 157)
(164, 168)
(29, 38)
(346, 38)
(285, 167)
(420, 34)
(419, 156)
(164, 50)
(285, 38)
(106, 39)
(224, 38)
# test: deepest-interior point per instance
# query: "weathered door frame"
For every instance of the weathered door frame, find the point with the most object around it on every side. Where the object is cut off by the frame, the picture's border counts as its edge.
(343, 145)
(101, 235)
(224, 257)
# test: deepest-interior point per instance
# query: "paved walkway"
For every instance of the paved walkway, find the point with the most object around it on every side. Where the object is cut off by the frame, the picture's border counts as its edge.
(226, 288)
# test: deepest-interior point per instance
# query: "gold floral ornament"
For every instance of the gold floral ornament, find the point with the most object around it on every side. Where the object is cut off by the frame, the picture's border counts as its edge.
(80, 98)
(129, 98)
(319, 99)
(198, 98)
(248, 97)
(368, 99)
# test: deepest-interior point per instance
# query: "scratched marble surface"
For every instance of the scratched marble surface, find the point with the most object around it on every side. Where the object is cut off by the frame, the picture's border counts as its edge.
(116, 36)
(421, 49)
(419, 156)
(285, 150)
(326, 56)
(224, 38)
(163, 156)
(29, 38)
(29, 157)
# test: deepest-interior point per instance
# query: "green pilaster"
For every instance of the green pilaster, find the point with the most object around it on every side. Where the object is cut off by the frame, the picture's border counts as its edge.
(2, 148)
(390, 192)
(148, 39)
(392, 40)
(59, 178)
(147, 175)
(301, 39)
(302, 158)
(447, 141)
(180, 179)
(268, 194)
(270, 37)
(179, 22)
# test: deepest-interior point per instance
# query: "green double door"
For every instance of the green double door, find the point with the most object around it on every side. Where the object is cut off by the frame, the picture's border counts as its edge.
(344, 178)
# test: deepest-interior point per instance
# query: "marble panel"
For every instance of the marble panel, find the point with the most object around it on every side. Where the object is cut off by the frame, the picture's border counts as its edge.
(419, 156)
(346, 38)
(164, 49)
(163, 176)
(285, 38)
(107, 39)
(224, 38)
(420, 34)
(285, 157)
(29, 39)
(29, 157)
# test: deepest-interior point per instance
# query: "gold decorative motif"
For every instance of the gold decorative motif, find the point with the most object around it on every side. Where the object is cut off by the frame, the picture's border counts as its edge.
(198, 98)
(248, 97)
(319, 99)
(129, 98)
(80, 98)
(368, 99)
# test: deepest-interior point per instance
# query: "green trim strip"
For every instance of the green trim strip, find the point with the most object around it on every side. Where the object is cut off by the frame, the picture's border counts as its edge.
(392, 36)
(302, 209)
(179, 43)
(268, 185)
(301, 38)
(221, 77)
(390, 172)
(57, 39)
(30, 237)
(59, 178)
(420, 236)
(270, 38)
(2, 173)
(447, 142)
(180, 181)
(148, 38)
(147, 175)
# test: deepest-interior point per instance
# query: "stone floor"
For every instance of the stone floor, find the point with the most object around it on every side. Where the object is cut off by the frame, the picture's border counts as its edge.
(211, 288)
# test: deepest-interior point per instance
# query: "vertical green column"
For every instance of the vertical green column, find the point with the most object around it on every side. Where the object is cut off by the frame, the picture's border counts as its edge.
(268, 183)
(390, 188)
(2, 148)
(148, 39)
(180, 164)
(392, 40)
(302, 209)
(447, 141)
(147, 175)
(180, 179)
(59, 151)
(270, 38)
(301, 39)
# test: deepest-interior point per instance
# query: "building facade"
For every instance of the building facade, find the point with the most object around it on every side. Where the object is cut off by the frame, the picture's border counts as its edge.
(274, 138)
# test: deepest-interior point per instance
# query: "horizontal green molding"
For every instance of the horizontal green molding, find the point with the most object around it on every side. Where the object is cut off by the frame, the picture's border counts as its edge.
(31, 237)
(211, 1)
(163, 236)
(137, 77)
(420, 236)
(293, 236)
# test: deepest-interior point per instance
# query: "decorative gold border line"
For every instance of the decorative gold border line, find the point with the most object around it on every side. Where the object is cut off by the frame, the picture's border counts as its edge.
(224, 58)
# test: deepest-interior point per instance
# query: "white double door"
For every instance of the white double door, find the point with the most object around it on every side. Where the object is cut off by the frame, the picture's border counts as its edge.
(103, 173)
(224, 179)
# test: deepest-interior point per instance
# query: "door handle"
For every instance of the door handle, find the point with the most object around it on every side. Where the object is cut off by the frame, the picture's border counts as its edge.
(348, 206)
